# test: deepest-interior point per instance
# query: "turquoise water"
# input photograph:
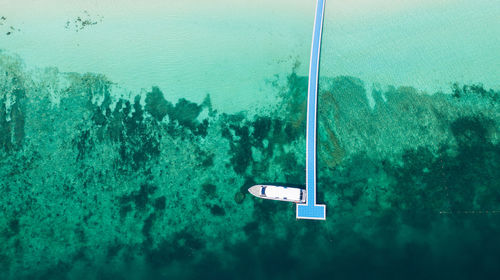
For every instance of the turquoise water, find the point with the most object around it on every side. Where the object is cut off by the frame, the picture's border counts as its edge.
(129, 133)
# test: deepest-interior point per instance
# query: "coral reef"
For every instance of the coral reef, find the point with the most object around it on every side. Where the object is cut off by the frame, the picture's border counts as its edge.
(96, 185)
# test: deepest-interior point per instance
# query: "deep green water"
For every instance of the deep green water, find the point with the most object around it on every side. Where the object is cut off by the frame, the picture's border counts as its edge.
(102, 180)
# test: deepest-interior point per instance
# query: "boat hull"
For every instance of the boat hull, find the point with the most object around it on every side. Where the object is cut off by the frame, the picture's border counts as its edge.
(279, 193)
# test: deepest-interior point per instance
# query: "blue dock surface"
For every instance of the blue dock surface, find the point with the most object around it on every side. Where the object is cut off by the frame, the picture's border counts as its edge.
(311, 210)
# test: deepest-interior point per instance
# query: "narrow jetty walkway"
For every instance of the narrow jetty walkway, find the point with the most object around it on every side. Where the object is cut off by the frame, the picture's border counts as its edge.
(311, 210)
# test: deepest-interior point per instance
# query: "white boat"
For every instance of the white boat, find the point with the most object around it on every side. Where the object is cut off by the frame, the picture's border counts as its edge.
(279, 193)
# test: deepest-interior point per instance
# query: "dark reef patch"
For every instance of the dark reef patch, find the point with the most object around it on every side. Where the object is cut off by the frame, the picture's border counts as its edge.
(83, 144)
(156, 104)
(146, 229)
(205, 158)
(263, 135)
(139, 144)
(116, 127)
(240, 147)
(209, 189)
(125, 124)
(139, 198)
(426, 184)
(160, 203)
(471, 130)
(13, 228)
(124, 210)
(475, 89)
(263, 209)
(251, 228)
(261, 129)
(217, 210)
(185, 113)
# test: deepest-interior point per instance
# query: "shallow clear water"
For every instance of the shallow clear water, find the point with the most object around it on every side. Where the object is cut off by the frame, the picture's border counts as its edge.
(130, 132)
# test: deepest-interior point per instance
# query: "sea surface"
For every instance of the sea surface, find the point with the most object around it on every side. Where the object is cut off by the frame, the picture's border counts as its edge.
(130, 132)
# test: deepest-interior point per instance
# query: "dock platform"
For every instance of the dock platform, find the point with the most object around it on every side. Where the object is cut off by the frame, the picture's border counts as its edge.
(311, 210)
